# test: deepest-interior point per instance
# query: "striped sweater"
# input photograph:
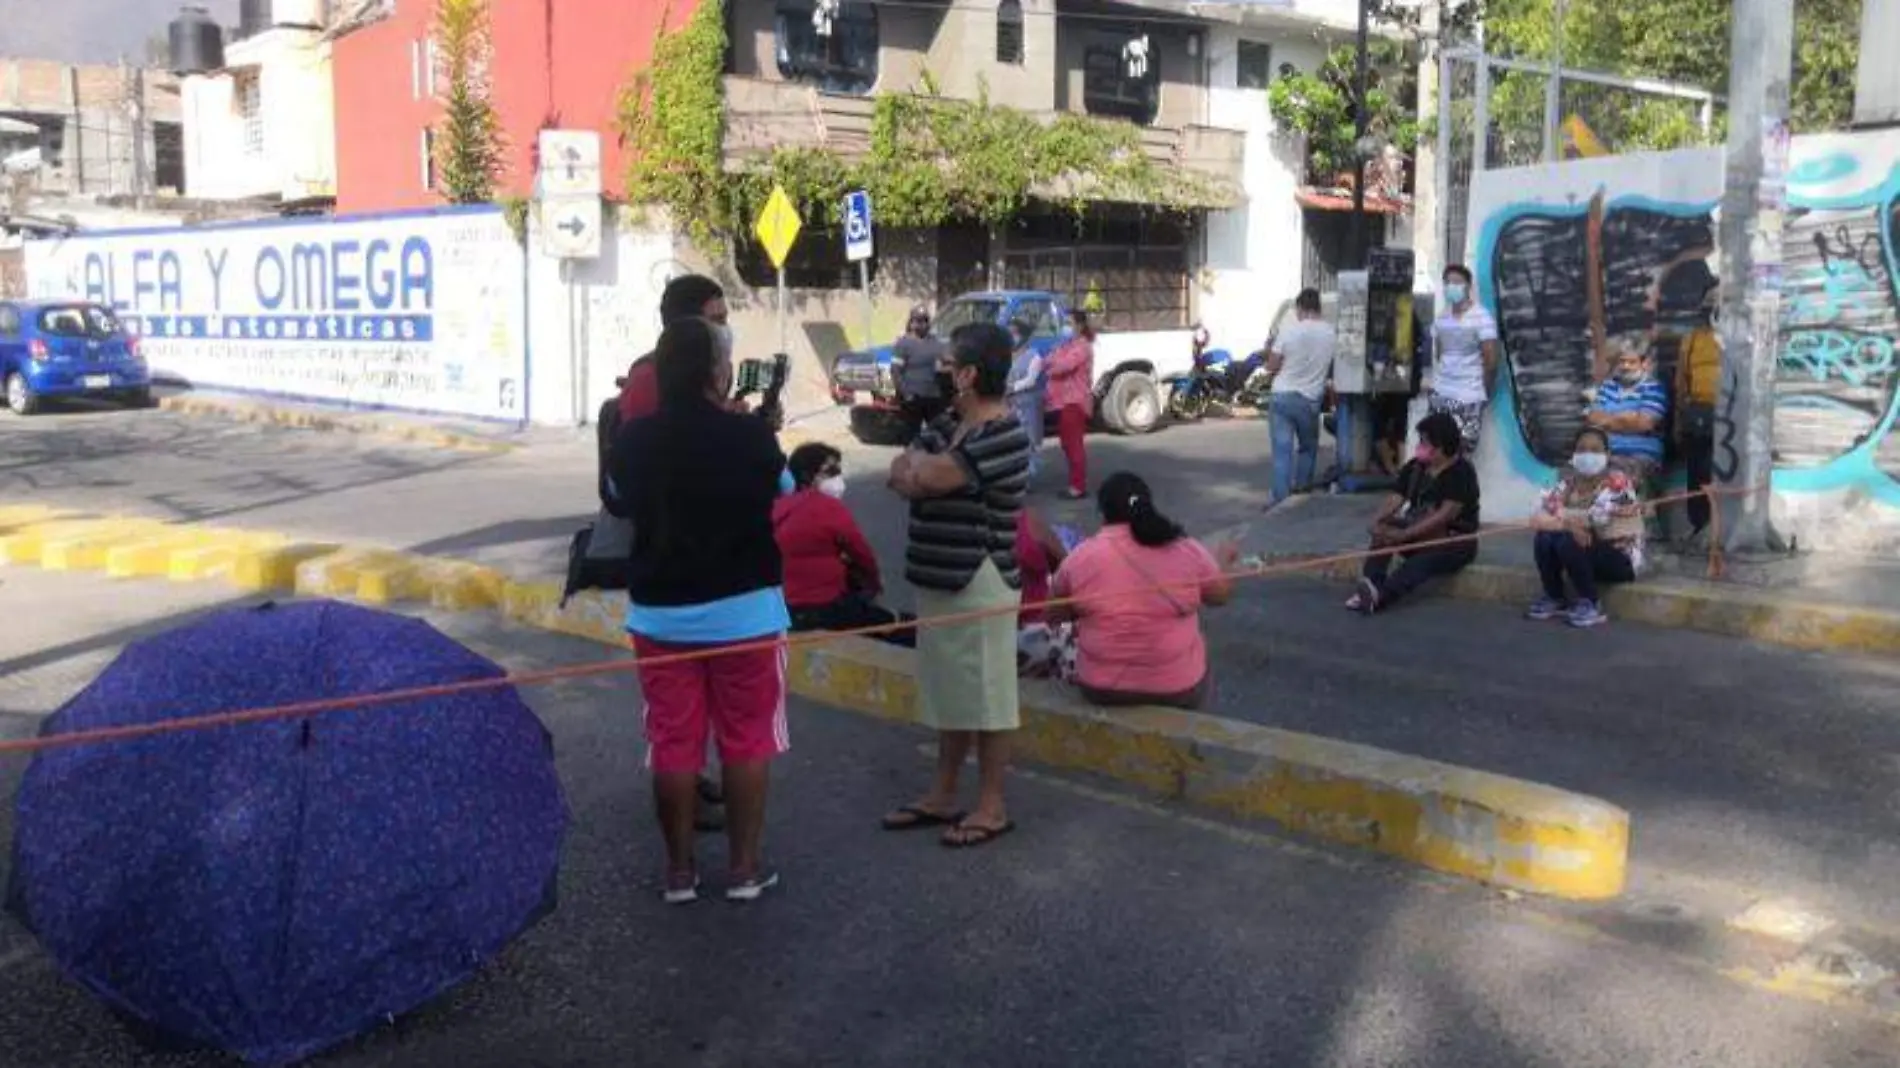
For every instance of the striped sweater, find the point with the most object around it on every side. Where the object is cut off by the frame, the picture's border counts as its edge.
(951, 536)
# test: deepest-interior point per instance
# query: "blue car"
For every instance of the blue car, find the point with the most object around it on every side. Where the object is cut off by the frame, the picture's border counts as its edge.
(57, 349)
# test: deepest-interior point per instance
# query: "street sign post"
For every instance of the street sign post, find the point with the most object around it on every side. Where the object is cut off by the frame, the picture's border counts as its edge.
(858, 247)
(777, 228)
(570, 227)
(567, 188)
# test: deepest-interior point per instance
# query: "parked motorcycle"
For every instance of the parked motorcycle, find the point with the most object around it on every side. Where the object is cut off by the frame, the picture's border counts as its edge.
(1217, 380)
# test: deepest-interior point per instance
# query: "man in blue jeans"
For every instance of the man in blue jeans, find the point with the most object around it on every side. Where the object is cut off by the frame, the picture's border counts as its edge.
(1301, 361)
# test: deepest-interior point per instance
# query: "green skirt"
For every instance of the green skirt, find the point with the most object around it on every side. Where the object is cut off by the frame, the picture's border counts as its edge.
(966, 672)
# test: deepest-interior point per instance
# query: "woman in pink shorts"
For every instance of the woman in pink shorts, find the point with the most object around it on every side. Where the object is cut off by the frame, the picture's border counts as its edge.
(706, 585)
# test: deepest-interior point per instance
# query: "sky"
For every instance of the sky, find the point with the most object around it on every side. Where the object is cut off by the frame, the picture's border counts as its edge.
(92, 31)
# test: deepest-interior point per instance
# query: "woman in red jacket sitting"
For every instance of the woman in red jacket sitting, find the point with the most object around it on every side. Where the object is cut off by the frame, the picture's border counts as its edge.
(831, 577)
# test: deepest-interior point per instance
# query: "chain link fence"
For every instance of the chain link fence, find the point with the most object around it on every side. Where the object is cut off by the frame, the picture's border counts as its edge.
(1511, 103)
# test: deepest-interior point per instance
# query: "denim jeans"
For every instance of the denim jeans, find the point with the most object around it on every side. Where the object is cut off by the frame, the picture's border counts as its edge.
(1559, 557)
(1293, 421)
(1028, 406)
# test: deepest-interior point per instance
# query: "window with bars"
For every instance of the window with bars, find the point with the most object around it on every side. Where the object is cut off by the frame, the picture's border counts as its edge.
(1254, 65)
(250, 108)
(1108, 88)
(832, 45)
(1009, 32)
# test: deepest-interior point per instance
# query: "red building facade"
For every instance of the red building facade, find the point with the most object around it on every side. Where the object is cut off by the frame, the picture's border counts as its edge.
(557, 63)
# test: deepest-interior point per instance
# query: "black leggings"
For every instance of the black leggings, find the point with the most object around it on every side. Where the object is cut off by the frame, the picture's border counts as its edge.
(851, 612)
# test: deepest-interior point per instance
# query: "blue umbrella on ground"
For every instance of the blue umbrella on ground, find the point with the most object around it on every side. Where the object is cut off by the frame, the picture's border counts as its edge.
(273, 889)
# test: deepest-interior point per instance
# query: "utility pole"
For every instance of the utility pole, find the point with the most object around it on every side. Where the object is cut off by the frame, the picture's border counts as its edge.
(1754, 206)
(1430, 161)
(135, 107)
(1357, 240)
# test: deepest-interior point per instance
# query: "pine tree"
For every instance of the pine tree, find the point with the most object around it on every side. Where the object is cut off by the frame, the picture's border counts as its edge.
(469, 148)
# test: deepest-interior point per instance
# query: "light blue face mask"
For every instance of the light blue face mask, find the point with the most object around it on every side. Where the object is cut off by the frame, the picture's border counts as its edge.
(1455, 293)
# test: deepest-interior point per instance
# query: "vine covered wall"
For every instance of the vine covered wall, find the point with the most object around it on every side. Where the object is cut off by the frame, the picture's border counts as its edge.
(931, 159)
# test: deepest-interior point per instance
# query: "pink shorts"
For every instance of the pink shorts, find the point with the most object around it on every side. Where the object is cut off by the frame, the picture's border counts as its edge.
(738, 699)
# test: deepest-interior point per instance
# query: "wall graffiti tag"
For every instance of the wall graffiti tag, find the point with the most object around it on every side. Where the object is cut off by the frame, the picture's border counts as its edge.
(1569, 253)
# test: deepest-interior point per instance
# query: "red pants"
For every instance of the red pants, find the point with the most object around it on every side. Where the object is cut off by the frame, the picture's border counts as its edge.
(736, 698)
(1072, 425)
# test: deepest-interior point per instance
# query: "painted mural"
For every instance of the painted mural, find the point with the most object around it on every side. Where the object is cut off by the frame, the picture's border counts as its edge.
(1571, 253)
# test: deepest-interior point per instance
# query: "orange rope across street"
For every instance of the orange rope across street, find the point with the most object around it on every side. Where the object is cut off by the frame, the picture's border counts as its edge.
(304, 709)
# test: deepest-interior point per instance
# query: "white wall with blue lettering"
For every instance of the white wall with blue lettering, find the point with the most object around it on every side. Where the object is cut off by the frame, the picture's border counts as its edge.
(423, 312)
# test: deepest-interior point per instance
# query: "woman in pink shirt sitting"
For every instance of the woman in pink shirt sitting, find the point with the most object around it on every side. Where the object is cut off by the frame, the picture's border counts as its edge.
(1137, 588)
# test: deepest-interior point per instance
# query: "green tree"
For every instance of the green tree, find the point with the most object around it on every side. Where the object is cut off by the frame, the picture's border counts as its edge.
(1318, 105)
(1683, 41)
(469, 148)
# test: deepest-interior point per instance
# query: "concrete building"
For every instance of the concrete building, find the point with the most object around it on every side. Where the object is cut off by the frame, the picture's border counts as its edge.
(90, 130)
(554, 64)
(264, 126)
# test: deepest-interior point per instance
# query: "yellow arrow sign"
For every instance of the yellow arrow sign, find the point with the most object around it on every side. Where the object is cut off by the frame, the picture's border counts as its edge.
(778, 226)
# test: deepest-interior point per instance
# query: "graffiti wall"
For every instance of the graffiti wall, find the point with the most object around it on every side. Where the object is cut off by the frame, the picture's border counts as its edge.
(1570, 253)
(417, 311)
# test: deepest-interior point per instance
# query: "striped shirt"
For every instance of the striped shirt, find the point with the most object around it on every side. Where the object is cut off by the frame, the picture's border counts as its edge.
(1647, 397)
(951, 536)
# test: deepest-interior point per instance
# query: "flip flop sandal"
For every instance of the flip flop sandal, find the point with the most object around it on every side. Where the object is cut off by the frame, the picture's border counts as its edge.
(970, 835)
(911, 817)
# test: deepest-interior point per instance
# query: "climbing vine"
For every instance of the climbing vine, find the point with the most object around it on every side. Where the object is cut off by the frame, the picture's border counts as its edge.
(931, 159)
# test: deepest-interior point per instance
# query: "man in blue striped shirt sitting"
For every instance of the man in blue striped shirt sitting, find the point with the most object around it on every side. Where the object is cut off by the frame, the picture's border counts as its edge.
(1633, 408)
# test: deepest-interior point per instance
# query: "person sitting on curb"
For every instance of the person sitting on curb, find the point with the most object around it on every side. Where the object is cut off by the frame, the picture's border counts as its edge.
(1589, 528)
(1137, 588)
(1435, 498)
(1632, 408)
(1039, 552)
(831, 575)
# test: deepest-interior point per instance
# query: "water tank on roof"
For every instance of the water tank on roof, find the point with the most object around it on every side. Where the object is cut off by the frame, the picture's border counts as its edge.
(254, 17)
(197, 43)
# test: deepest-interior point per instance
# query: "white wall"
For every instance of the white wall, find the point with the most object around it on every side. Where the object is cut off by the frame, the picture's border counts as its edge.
(587, 321)
(298, 154)
(1253, 253)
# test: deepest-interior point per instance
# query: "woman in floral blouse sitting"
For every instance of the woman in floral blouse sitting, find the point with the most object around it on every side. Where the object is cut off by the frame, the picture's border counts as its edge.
(1590, 530)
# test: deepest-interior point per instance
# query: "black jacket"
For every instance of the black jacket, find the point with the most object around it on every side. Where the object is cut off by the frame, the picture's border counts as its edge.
(699, 483)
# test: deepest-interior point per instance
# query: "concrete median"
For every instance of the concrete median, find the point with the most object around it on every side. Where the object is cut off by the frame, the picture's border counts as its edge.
(1501, 831)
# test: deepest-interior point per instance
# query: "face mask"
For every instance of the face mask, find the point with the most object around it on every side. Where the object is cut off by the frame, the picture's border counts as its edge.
(1424, 454)
(832, 487)
(1455, 292)
(1629, 377)
(1590, 464)
(723, 334)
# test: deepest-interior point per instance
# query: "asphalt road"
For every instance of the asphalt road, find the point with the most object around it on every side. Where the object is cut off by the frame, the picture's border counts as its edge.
(1106, 931)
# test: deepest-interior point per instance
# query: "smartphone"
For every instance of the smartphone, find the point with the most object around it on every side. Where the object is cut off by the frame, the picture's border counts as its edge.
(1069, 536)
(754, 376)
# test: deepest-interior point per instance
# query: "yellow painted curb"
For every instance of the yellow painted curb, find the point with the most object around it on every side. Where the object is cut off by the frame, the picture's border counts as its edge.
(218, 556)
(1733, 613)
(87, 551)
(1495, 829)
(272, 568)
(26, 543)
(151, 557)
(454, 586)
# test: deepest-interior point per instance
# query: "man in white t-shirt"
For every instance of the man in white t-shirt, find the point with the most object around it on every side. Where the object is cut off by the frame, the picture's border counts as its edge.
(1465, 339)
(1301, 361)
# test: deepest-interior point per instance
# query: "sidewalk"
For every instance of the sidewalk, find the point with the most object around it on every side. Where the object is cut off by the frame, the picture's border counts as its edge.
(1806, 601)
(426, 431)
